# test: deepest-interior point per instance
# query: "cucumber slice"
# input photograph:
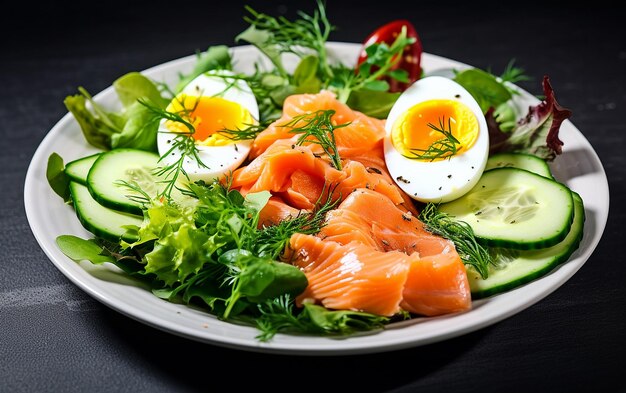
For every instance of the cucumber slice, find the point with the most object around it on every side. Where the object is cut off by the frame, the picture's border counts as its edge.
(515, 208)
(128, 165)
(77, 170)
(519, 160)
(516, 267)
(99, 220)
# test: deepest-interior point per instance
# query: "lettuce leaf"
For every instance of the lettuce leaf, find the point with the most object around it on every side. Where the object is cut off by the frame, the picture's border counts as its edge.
(81, 249)
(484, 87)
(180, 248)
(186, 238)
(537, 133)
(178, 254)
(279, 315)
(58, 180)
(260, 279)
(376, 104)
(134, 86)
(139, 131)
(97, 126)
(133, 126)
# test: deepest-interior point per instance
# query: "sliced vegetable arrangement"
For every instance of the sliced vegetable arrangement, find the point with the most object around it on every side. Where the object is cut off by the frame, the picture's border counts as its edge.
(324, 199)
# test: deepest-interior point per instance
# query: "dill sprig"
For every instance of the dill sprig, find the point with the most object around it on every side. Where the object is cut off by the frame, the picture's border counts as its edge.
(461, 234)
(272, 240)
(140, 196)
(317, 127)
(279, 315)
(307, 32)
(513, 74)
(183, 143)
(249, 132)
(445, 147)
(230, 82)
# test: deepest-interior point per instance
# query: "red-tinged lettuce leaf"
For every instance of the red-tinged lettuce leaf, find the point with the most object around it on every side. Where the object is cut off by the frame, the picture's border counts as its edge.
(537, 133)
(497, 137)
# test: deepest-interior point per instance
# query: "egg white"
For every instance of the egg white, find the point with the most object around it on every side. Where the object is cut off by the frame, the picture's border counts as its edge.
(444, 180)
(218, 160)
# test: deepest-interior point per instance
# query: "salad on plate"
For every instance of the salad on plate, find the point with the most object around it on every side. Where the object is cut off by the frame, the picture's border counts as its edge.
(323, 199)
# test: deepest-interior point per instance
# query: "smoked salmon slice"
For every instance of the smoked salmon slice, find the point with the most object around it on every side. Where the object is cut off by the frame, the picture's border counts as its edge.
(300, 177)
(273, 170)
(374, 161)
(360, 135)
(437, 285)
(369, 214)
(304, 189)
(276, 211)
(356, 176)
(351, 276)
(357, 277)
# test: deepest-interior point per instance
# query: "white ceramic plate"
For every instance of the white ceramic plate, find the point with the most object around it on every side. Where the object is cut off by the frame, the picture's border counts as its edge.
(579, 167)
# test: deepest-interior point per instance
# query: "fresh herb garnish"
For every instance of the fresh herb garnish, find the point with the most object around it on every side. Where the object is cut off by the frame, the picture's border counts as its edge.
(215, 253)
(139, 196)
(183, 144)
(513, 74)
(317, 127)
(249, 132)
(445, 147)
(461, 234)
(275, 36)
(272, 240)
(379, 63)
(279, 315)
(258, 279)
(306, 37)
(381, 58)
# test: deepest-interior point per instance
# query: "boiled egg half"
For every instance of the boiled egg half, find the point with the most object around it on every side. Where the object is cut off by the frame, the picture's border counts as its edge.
(212, 102)
(436, 143)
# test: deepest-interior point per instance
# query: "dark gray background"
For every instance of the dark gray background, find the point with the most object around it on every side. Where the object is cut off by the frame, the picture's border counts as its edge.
(54, 337)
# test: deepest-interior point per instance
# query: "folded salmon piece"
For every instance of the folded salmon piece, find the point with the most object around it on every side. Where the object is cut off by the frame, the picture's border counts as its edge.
(273, 170)
(358, 137)
(350, 277)
(390, 226)
(437, 285)
(275, 211)
(391, 238)
(357, 277)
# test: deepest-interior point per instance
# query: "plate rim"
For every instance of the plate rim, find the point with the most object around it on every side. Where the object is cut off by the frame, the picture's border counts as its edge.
(345, 346)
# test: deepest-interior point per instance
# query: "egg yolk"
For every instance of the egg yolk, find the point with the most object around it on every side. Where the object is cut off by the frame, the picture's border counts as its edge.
(419, 129)
(209, 115)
